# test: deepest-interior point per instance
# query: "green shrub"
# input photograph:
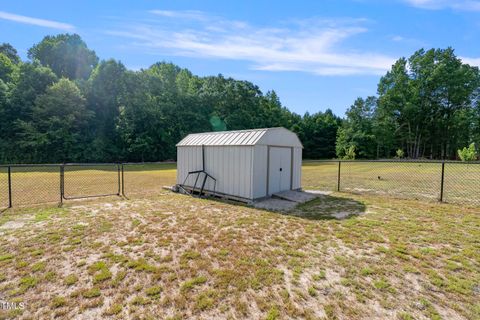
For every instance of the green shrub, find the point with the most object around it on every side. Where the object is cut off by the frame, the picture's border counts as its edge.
(350, 153)
(399, 154)
(468, 154)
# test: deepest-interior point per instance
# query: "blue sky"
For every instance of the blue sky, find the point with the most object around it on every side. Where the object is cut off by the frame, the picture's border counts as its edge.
(314, 54)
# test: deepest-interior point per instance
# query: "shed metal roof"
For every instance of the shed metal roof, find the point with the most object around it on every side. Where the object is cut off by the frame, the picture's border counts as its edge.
(229, 138)
(224, 138)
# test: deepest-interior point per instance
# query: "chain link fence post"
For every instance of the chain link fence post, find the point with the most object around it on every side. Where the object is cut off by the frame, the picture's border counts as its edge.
(9, 186)
(62, 183)
(442, 181)
(123, 180)
(338, 178)
(119, 179)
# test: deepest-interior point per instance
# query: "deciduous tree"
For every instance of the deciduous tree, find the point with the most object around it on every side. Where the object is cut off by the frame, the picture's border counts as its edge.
(66, 54)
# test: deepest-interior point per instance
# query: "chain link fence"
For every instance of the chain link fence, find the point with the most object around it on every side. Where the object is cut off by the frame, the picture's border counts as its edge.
(34, 184)
(320, 175)
(91, 180)
(23, 185)
(147, 178)
(4, 197)
(400, 179)
(462, 183)
(455, 182)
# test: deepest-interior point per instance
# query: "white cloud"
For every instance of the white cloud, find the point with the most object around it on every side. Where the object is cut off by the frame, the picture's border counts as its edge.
(471, 61)
(35, 21)
(463, 5)
(314, 45)
(408, 42)
(186, 14)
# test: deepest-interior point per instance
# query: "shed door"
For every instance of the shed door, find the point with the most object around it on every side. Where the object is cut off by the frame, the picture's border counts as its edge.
(279, 169)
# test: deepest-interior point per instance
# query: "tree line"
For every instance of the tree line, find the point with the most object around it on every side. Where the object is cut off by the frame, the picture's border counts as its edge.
(64, 104)
(427, 107)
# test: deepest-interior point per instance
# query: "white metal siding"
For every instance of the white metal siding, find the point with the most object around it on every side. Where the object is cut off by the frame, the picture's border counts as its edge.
(237, 159)
(297, 168)
(280, 137)
(189, 159)
(230, 165)
(259, 172)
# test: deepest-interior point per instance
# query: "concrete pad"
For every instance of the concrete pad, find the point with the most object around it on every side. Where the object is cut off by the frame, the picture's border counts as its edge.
(295, 196)
(319, 192)
(275, 204)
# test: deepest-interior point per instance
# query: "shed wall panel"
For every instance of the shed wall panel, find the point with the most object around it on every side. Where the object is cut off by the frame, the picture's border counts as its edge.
(259, 171)
(297, 168)
(280, 137)
(230, 165)
(189, 159)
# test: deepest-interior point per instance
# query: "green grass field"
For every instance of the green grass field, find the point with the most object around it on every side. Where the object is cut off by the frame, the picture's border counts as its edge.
(171, 256)
(32, 185)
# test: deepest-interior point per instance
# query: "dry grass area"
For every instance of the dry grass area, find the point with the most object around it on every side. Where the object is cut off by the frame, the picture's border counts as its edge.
(176, 257)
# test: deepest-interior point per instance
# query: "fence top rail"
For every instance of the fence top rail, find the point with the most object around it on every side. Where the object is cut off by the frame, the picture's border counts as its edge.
(173, 162)
(20, 165)
(36, 165)
(147, 163)
(93, 164)
(398, 161)
(29, 165)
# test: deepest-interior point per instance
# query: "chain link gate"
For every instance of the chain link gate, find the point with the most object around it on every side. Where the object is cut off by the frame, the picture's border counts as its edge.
(80, 181)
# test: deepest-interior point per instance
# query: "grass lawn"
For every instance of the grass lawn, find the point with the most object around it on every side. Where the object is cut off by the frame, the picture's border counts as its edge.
(173, 256)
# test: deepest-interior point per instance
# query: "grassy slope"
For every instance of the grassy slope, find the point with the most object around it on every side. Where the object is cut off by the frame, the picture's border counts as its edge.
(176, 256)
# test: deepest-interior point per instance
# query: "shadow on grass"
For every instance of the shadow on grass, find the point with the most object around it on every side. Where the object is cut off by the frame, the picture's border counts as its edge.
(324, 207)
(327, 207)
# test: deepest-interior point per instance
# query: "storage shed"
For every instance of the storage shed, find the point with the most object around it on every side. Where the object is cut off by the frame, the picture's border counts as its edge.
(245, 165)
